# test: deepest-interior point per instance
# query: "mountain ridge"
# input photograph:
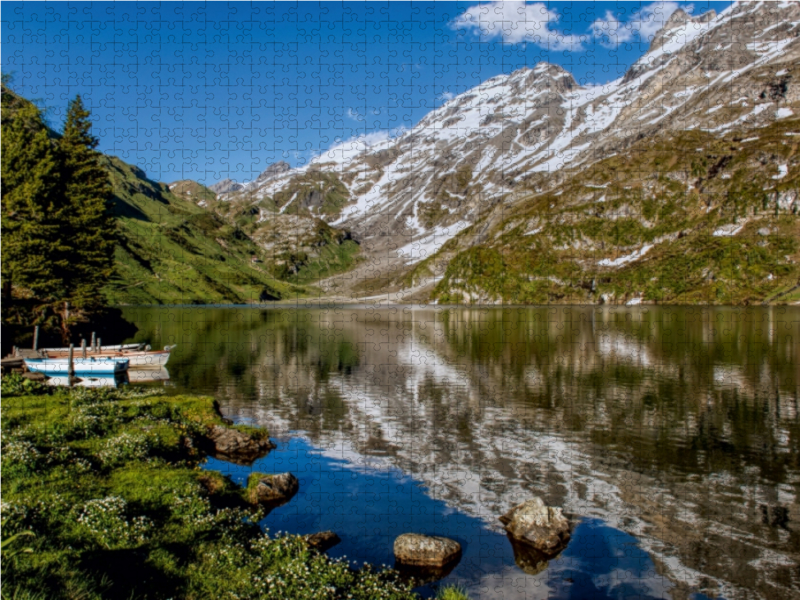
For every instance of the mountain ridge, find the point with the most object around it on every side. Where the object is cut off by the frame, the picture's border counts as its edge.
(517, 136)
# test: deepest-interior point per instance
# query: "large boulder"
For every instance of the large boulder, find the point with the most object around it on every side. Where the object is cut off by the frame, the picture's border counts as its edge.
(425, 550)
(275, 489)
(236, 446)
(322, 541)
(539, 525)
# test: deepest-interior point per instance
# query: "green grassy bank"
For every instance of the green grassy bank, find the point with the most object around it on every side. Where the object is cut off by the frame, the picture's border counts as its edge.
(104, 497)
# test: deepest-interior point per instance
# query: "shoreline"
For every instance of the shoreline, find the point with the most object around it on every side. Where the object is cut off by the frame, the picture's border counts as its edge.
(109, 484)
(366, 303)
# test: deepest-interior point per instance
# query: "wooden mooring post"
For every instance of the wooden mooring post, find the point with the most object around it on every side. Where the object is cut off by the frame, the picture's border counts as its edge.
(83, 348)
(71, 368)
(94, 342)
(36, 338)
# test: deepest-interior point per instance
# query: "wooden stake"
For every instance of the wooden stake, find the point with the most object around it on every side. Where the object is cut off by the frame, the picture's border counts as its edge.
(83, 348)
(94, 342)
(71, 372)
(36, 338)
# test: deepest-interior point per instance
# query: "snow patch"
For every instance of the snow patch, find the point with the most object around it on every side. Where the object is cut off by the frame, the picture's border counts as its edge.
(429, 244)
(728, 230)
(783, 171)
(623, 260)
(783, 113)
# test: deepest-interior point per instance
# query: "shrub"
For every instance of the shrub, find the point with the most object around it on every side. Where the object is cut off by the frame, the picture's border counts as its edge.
(123, 448)
(105, 520)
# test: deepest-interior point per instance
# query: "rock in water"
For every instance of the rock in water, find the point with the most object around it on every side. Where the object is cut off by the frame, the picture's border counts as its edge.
(425, 550)
(322, 541)
(237, 447)
(541, 526)
(277, 488)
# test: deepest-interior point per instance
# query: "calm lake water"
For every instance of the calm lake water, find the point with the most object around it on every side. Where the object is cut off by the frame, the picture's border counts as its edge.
(672, 434)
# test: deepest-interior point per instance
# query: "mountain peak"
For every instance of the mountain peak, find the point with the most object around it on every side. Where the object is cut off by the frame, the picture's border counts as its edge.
(273, 170)
(225, 186)
(678, 18)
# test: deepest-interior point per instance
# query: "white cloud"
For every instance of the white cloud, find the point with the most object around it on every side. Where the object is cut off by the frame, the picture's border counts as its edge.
(610, 32)
(517, 22)
(354, 115)
(642, 24)
(446, 96)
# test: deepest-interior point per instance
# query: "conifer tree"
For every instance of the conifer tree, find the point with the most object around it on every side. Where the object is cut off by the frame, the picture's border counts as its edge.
(90, 226)
(31, 205)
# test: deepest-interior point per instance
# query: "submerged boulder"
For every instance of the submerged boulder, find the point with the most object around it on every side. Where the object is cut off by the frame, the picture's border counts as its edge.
(539, 525)
(322, 541)
(274, 489)
(425, 550)
(236, 446)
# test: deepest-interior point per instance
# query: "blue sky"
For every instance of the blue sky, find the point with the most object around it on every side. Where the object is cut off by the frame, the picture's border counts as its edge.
(207, 91)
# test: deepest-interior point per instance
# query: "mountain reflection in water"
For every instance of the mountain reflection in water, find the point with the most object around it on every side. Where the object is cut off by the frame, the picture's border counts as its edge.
(673, 432)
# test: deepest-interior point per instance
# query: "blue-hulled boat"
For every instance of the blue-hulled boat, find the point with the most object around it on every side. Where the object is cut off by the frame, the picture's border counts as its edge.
(60, 366)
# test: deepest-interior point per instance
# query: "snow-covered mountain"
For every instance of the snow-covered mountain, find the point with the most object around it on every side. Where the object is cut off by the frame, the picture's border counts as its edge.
(520, 134)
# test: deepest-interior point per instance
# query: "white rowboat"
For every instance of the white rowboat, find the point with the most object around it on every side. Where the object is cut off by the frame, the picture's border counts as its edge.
(60, 366)
(138, 360)
(117, 348)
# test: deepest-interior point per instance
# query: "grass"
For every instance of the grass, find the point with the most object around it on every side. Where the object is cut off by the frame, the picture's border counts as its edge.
(331, 259)
(109, 486)
(314, 192)
(172, 251)
(452, 592)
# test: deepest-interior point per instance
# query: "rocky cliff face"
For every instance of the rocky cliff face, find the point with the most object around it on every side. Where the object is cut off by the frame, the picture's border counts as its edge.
(499, 145)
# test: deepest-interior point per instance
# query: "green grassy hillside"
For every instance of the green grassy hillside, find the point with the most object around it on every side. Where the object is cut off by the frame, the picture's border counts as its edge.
(173, 251)
(686, 218)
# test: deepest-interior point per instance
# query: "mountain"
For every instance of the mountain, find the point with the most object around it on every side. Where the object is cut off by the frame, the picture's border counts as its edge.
(171, 250)
(290, 226)
(225, 186)
(677, 182)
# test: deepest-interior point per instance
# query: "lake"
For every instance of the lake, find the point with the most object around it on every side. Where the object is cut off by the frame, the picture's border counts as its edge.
(670, 433)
